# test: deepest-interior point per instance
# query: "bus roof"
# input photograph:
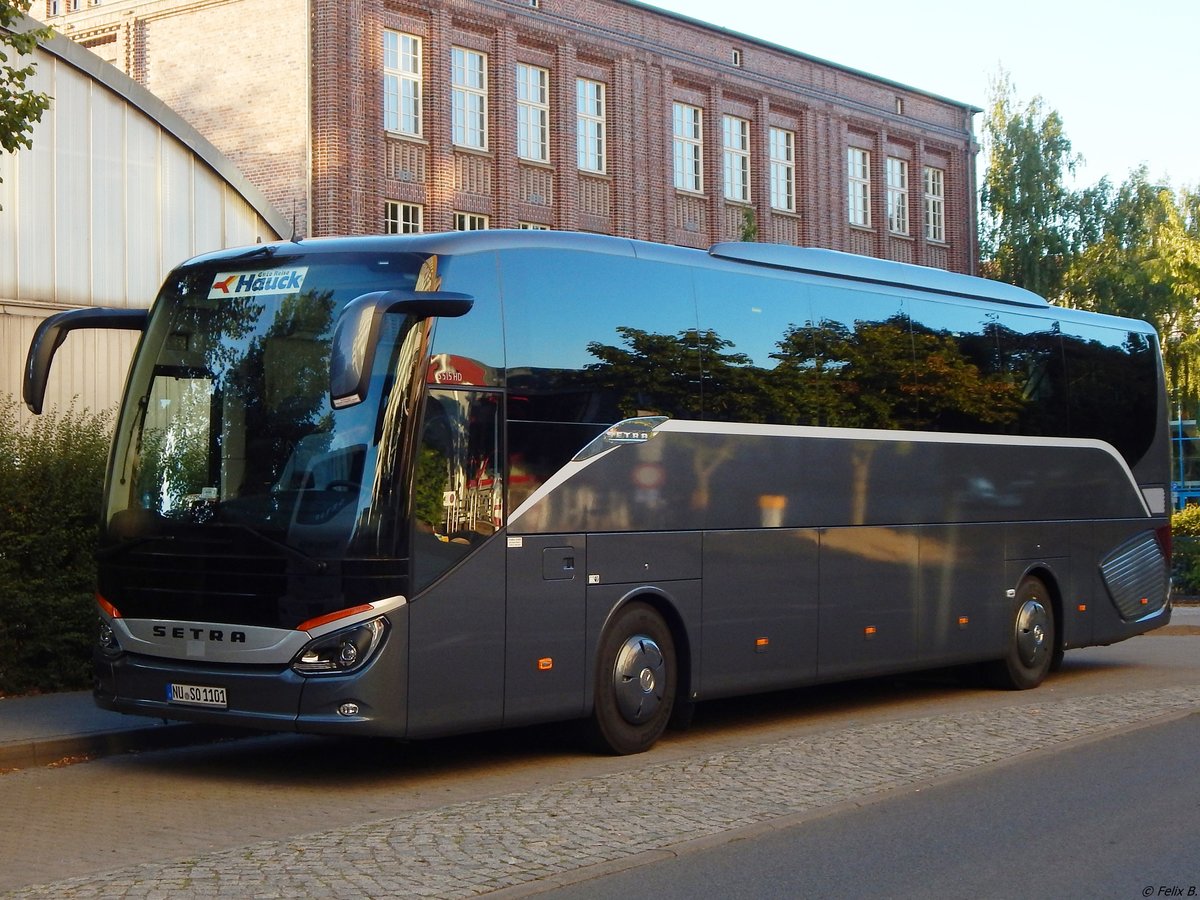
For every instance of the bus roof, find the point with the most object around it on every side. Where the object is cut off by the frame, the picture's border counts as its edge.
(808, 260)
(816, 261)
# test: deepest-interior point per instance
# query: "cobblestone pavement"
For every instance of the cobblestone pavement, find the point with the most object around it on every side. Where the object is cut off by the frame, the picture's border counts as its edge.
(519, 842)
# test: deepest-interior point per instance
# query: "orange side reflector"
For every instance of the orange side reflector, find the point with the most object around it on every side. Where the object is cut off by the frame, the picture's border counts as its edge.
(1145, 602)
(545, 664)
(870, 630)
(1083, 607)
(964, 620)
(762, 642)
(333, 617)
(112, 611)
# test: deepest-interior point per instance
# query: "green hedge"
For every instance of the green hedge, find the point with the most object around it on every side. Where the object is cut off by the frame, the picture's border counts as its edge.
(51, 480)
(1185, 558)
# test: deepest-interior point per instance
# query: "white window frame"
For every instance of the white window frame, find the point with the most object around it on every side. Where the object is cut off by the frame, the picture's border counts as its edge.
(687, 128)
(532, 226)
(402, 65)
(858, 178)
(735, 155)
(783, 169)
(403, 218)
(935, 204)
(897, 194)
(533, 113)
(591, 126)
(467, 221)
(469, 88)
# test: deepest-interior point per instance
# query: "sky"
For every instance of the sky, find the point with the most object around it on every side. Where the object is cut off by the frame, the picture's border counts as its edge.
(1123, 75)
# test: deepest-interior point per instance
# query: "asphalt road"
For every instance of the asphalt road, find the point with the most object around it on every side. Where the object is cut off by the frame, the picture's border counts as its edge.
(1117, 817)
(523, 811)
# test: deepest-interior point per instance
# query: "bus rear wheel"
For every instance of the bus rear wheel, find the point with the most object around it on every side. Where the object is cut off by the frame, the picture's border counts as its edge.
(636, 681)
(1031, 643)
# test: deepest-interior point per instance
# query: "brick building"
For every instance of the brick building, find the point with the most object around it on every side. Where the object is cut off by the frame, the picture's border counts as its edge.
(597, 115)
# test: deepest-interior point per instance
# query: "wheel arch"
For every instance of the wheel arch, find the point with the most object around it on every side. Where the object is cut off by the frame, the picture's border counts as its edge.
(667, 607)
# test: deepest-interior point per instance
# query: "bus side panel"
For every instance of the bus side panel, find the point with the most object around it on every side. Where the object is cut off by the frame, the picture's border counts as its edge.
(1079, 606)
(870, 612)
(760, 610)
(456, 648)
(962, 578)
(544, 664)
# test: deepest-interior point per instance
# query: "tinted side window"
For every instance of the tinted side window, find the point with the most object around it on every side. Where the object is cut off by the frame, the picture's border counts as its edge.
(854, 360)
(750, 373)
(971, 376)
(457, 484)
(1113, 381)
(1033, 358)
(597, 338)
(469, 350)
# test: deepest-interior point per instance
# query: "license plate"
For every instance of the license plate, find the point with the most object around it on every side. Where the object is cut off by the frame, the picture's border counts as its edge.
(195, 695)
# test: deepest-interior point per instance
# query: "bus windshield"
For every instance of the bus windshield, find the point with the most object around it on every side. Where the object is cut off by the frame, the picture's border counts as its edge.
(228, 437)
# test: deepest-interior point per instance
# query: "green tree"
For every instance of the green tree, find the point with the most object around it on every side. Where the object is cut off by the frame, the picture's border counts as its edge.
(1028, 216)
(20, 108)
(1143, 261)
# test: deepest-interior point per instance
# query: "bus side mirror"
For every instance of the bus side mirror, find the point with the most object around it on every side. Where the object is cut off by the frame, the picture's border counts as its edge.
(356, 335)
(53, 331)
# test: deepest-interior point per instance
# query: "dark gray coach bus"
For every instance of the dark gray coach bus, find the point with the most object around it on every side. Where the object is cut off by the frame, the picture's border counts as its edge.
(420, 485)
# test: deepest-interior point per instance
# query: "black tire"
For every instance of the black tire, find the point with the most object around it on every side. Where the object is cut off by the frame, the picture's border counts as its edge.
(636, 681)
(1031, 641)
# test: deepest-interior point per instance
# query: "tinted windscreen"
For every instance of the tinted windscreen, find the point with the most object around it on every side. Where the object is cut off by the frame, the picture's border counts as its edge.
(235, 483)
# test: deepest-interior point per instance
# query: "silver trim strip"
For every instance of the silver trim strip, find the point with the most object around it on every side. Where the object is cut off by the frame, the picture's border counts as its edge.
(216, 642)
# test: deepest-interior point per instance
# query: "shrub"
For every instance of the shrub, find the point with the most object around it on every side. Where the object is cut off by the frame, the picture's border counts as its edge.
(51, 481)
(1185, 558)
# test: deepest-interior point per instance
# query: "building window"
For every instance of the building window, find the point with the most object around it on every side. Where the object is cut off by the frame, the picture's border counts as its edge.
(470, 222)
(532, 226)
(533, 113)
(402, 83)
(783, 170)
(736, 158)
(468, 80)
(590, 125)
(858, 165)
(403, 218)
(735, 57)
(897, 195)
(688, 124)
(935, 204)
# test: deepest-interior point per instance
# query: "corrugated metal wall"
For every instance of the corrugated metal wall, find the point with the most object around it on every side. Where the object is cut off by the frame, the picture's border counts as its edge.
(96, 214)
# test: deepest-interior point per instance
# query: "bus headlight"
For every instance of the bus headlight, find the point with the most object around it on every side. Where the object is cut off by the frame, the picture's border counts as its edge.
(342, 651)
(106, 638)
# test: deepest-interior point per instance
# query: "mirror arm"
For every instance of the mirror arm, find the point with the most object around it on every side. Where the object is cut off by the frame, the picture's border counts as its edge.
(53, 331)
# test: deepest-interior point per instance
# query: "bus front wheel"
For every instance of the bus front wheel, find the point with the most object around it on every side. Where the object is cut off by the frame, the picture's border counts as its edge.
(1031, 640)
(635, 681)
